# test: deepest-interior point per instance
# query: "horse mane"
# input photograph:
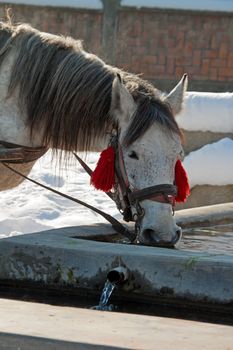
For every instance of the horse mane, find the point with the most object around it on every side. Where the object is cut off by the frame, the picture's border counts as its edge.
(66, 92)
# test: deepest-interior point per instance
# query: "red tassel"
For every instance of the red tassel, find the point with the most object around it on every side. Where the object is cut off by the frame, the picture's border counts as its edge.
(182, 183)
(103, 177)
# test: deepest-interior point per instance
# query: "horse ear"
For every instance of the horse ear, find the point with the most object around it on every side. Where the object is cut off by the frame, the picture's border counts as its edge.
(122, 103)
(176, 96)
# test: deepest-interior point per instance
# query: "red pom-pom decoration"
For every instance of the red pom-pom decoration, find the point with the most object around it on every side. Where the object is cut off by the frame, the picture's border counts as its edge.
(182, 183)
(103, 177)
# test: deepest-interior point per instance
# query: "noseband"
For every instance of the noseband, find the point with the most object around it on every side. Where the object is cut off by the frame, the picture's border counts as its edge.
(127, 197)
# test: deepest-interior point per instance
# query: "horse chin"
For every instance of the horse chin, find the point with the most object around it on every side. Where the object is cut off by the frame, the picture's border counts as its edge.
(149, 238)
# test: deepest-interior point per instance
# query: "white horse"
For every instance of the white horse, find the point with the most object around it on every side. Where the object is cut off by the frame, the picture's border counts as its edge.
(55, 95)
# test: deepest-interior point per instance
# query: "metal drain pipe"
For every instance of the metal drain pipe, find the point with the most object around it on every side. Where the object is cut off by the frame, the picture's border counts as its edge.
(118, 275)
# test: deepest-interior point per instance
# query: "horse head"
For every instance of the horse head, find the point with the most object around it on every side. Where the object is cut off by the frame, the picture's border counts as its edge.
(148, 146)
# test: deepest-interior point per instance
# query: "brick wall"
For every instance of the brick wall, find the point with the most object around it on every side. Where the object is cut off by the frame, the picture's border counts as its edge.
(81, 24)
(161, 44)
(165, 44)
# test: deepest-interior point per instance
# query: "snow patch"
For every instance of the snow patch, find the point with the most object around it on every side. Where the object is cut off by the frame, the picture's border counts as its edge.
(15, 226)
(53, 180)
(207, 111)
(29, 208)
(211, 164)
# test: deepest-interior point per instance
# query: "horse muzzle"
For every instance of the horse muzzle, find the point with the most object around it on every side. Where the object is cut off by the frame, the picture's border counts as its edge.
(149, 237)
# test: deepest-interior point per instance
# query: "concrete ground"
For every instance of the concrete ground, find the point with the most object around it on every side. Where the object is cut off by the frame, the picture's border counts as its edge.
(30, 326)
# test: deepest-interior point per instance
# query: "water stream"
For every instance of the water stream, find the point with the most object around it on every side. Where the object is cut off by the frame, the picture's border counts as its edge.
(106, 293)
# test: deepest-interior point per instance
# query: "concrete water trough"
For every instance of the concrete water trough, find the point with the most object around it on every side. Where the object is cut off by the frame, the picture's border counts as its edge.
(78, 259)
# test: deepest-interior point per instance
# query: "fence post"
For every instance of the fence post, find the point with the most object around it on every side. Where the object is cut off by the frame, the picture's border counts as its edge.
(109, 29)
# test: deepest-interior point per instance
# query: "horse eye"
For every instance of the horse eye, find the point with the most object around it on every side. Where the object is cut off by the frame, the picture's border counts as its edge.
(133, 155)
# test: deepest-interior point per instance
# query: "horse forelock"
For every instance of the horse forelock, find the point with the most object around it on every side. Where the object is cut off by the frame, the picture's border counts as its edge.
(151, 108)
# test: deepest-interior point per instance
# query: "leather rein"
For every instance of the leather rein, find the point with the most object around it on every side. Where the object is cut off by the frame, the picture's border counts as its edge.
(123, 195)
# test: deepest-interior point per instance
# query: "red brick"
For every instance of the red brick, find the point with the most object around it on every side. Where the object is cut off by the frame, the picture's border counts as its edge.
(171, 42)
(197, 57)
(218, 62)
(207, 26)
(230, 60)
(161, 42)
(150, 59)
(137, 28)
(136, 64)
(205, 67)
(213, 73)
(188, 49)
(153, 43)
(210, 53)
(161, 58)
(180, 61)
(145, 35)
(142, 51)
(179, 71)
(159, 70)
(199, 77)
(226, 72)
(214, 42)
(180, 39)
(170, 65)
(152, 69)
(223, 51)
(220, 78)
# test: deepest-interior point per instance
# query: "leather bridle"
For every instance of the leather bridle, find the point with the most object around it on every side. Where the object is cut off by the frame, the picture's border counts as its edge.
(127, 198)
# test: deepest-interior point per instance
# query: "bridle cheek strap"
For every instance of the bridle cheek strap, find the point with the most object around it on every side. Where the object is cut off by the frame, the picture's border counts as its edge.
(121, 174)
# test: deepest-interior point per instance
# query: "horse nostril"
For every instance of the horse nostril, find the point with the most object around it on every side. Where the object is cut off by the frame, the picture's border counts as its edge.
(177, 238)
(148, 234)
(178, 235)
